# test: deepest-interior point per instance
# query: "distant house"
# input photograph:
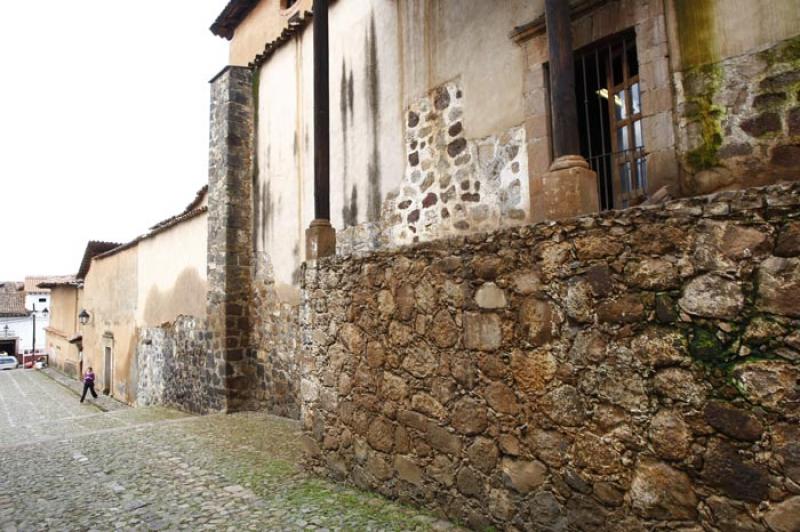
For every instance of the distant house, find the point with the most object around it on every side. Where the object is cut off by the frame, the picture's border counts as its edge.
(37, 300)
(64, 341)
(14, 321)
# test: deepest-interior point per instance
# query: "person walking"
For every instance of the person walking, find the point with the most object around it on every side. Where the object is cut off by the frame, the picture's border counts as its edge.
(88, 384)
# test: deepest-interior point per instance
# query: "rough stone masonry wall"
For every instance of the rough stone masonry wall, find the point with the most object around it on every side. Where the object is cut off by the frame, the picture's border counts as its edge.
(230, 233)
(276, 342)
(739, 120)
(177, 367)
(452, 184)
(624, 371)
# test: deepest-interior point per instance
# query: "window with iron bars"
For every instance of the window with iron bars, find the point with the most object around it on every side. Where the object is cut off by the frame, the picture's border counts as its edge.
(610, 119)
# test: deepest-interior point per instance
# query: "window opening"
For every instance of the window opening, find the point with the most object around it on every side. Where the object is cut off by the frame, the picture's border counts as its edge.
(610, 119)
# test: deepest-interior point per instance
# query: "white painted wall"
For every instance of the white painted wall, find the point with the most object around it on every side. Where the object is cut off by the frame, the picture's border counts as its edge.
(23, 328)
(366, 104)
(41, 321)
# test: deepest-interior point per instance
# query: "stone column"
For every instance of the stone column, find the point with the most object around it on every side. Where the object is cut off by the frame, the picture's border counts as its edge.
(569, 188)
(320, 235)
(231, 148)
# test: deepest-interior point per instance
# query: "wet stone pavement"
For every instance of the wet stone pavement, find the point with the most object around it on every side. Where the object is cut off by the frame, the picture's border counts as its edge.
(67, 466)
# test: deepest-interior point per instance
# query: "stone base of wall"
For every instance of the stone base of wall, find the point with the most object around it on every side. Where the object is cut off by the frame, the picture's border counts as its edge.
(177, 368)
(277, 346)
(739, 120)
(624, 371)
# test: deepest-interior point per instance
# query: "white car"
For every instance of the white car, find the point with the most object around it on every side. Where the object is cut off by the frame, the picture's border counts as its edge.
(8, 363)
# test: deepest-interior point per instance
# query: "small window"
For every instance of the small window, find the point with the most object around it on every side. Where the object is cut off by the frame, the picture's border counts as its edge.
(42, 300)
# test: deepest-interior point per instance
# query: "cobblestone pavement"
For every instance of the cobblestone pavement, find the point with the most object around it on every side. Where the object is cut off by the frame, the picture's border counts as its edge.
(103, 402)
(67, 466)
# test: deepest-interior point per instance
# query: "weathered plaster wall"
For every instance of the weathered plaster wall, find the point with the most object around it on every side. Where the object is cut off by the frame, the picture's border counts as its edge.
(385, 67)
(64, 309)
(448, 39)
(172, 273)
(623, 371)
(110, 294)
(722, 29)
(736, 70)
(283, 197)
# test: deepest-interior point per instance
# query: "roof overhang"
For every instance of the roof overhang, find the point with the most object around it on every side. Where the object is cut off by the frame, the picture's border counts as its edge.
(93, 248)
(233, 14)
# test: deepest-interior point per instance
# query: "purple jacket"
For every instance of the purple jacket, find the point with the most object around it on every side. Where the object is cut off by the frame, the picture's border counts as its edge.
(88, 377)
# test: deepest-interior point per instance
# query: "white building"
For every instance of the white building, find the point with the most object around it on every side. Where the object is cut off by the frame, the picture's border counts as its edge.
(14, 318)
(37, 302)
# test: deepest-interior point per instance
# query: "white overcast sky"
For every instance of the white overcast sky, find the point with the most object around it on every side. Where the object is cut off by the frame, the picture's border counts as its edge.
(103, 122)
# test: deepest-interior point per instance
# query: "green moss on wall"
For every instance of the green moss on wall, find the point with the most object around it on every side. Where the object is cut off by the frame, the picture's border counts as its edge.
(703, 83)
(787, 53)
(696, 32)
(703, 79)
(706, 347)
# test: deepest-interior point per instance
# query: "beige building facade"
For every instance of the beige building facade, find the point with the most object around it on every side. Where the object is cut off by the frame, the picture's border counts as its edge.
(125, 288)
(63, 346)
(109, 296)
(475, 371)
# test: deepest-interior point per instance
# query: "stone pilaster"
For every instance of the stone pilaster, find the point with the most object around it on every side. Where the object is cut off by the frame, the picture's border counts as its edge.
(231, 148)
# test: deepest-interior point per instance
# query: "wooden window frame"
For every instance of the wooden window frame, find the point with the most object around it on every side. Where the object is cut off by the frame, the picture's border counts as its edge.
(634, 194)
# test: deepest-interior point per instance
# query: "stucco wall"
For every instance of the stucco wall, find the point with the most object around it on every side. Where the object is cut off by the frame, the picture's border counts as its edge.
(64, 309)
(264, 24)
(386, 58)
(449, 39)
(110, 295)
(171, 269)
(708, 31)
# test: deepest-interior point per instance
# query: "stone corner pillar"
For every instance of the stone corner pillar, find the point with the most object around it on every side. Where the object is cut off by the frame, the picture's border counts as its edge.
(320, 239)
(568, 189)
(230, 172)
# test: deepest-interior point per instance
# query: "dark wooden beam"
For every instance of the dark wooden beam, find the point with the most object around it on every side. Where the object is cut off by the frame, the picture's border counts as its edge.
(562, 79)
(322, 157)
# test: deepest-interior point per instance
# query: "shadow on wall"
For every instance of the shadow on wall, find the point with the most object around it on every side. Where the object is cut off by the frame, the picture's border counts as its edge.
(187, 296)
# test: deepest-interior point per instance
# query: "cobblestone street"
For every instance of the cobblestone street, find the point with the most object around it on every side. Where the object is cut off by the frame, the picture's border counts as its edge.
(67, 466)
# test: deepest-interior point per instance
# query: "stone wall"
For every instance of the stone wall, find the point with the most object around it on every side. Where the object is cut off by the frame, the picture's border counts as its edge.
(276, 342)
(739, 119)
(452, 184)
(230, 173)
(626, 370)
(178, 369)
